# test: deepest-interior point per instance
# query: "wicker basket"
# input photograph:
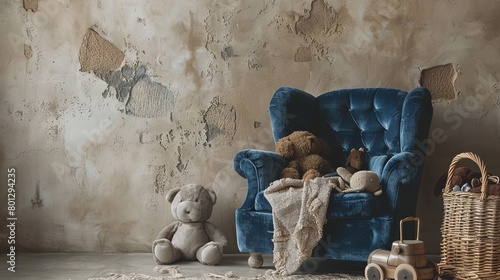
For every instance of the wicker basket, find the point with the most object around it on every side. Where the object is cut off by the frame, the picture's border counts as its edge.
(470, 248)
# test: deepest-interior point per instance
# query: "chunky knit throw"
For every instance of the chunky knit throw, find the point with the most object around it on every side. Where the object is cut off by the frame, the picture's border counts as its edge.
(299, 213)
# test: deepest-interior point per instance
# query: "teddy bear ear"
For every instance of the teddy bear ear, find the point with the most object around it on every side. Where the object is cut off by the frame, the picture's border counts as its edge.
(362, 149)
(213, 196)
(285, 148)
(171, 194)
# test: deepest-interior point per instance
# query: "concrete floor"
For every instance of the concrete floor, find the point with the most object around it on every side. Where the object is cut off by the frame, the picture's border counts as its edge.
(55, 266)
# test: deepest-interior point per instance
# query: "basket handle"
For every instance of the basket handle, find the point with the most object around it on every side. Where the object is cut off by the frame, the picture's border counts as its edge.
(482, 167)
(407, 219)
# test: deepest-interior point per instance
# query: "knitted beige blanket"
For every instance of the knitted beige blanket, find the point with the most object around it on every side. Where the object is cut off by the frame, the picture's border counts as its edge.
(299, 213)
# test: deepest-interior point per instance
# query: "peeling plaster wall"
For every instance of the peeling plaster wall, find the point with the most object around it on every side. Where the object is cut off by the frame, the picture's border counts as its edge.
(106, 106)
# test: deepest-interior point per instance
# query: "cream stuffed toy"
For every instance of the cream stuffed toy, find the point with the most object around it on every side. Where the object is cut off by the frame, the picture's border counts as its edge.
(191, 237)
(353, 178)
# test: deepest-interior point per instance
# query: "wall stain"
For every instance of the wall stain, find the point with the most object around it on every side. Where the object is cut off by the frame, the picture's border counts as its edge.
(227, 53)
(36, 200)
(440, 81)
(194, 42)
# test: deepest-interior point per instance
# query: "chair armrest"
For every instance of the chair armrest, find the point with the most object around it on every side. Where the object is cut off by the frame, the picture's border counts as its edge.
(260, 168)
(401, 179)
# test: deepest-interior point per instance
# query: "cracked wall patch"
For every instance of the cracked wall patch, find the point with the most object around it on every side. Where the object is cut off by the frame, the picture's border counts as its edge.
(220, 122)
(440, 81)
(98, 54)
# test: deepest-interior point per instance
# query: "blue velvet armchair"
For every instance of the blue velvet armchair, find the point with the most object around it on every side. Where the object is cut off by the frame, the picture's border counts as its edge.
(391, 124)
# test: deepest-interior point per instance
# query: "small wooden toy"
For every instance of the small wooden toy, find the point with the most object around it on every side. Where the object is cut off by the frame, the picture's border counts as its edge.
(405, 261)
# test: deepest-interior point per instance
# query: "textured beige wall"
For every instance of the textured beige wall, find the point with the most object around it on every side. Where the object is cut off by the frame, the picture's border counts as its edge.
(98, 134)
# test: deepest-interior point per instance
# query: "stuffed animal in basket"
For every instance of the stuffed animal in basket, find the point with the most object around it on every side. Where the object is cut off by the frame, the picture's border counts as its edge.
(493, 187)
(307, 155)
(191, 237)
(461, 180)
(354, 179)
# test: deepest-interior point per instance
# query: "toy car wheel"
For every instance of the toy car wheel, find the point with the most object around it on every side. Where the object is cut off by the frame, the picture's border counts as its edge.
(405, 272)
(374, 272)
(436, 269)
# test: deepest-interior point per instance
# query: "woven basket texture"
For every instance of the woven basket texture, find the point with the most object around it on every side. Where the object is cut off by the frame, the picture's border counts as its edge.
(470, 246)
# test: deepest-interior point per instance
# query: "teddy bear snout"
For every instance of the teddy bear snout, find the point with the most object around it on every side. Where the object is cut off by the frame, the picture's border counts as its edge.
(188, 211)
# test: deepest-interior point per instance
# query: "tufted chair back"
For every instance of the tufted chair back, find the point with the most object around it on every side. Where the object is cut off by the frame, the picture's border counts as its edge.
(385, 121)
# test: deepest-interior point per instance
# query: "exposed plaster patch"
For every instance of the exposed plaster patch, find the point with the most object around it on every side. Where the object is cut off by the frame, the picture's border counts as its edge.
(28, 51)
(159, 185)
(253, 63)
(98, 54)
(210, 72)
(317, 28)
(440, 81)
(180, 165)
(303, 54)
(143, 97)
(496, 88)
(53, 131)
(322, 20)
(31, 5)
(220, 122)
(149, 99)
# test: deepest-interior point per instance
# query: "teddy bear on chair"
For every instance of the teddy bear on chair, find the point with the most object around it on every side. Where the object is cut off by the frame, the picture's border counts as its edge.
(191, 237)
(306, 154)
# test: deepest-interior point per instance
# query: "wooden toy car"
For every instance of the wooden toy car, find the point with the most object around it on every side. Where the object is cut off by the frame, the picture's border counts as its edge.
(405, 261)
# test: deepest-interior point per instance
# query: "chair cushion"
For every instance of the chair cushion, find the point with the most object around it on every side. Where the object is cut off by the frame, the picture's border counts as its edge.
(341, 205)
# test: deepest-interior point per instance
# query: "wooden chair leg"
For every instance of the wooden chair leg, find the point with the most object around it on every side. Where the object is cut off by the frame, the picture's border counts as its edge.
(255, 260)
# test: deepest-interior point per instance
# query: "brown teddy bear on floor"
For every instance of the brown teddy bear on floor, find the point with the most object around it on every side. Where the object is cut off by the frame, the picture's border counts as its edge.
(307, 155)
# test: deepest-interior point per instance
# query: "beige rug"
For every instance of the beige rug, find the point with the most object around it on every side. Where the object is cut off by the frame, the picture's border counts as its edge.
(172, 272)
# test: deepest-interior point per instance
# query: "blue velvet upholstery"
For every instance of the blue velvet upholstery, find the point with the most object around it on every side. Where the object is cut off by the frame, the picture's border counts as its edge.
(391, 124)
